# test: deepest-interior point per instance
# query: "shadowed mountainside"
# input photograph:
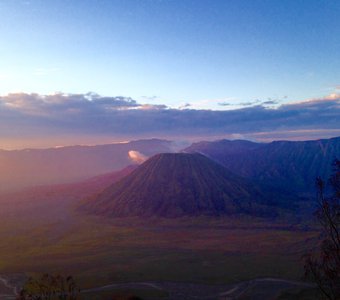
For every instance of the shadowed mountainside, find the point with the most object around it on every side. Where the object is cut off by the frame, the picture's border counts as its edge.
(30, 167)
(172, 185)
(284, 164)
(37, 202)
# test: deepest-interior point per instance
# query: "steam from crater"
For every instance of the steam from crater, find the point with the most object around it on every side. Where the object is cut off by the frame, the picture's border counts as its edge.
(137, 157)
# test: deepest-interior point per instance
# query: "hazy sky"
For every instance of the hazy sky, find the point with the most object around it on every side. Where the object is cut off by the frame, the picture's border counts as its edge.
(200, 54)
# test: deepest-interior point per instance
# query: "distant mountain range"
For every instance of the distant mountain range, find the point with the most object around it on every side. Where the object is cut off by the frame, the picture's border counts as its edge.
(37, 202)
(180, 184)
(31, 167)
(293, 166)
(271, 171)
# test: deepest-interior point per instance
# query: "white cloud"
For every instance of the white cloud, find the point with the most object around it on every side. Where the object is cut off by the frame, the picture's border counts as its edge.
(137, 157)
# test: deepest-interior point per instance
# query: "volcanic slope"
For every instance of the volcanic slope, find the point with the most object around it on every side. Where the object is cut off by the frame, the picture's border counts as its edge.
(182, 184)
(283, 164)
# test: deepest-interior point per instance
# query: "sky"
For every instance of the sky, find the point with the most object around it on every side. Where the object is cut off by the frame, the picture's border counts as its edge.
(137, 68)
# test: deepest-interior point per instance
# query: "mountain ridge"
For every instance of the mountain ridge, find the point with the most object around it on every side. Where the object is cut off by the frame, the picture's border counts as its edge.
(285, 164)
(178, 184)
(31, 167)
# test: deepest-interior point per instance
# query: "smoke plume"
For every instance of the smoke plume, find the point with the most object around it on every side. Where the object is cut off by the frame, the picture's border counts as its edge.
(137, 157)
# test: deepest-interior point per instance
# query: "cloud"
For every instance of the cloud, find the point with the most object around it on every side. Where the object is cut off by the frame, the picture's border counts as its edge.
(64, 104)
(333, 96)
(46, 116)
(249, 103)
(224, 104)
(150, 98)
(137, 157)
(208, 103)
(184, 106)
(270, 102)
(152, 106)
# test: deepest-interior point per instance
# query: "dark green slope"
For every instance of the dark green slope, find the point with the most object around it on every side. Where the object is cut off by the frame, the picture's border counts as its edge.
(181, 184)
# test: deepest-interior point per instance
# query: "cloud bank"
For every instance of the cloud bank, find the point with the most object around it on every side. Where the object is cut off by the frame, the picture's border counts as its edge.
(24, 116)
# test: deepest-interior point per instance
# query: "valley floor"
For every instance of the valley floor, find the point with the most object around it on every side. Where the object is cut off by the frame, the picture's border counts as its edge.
(41, 232)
